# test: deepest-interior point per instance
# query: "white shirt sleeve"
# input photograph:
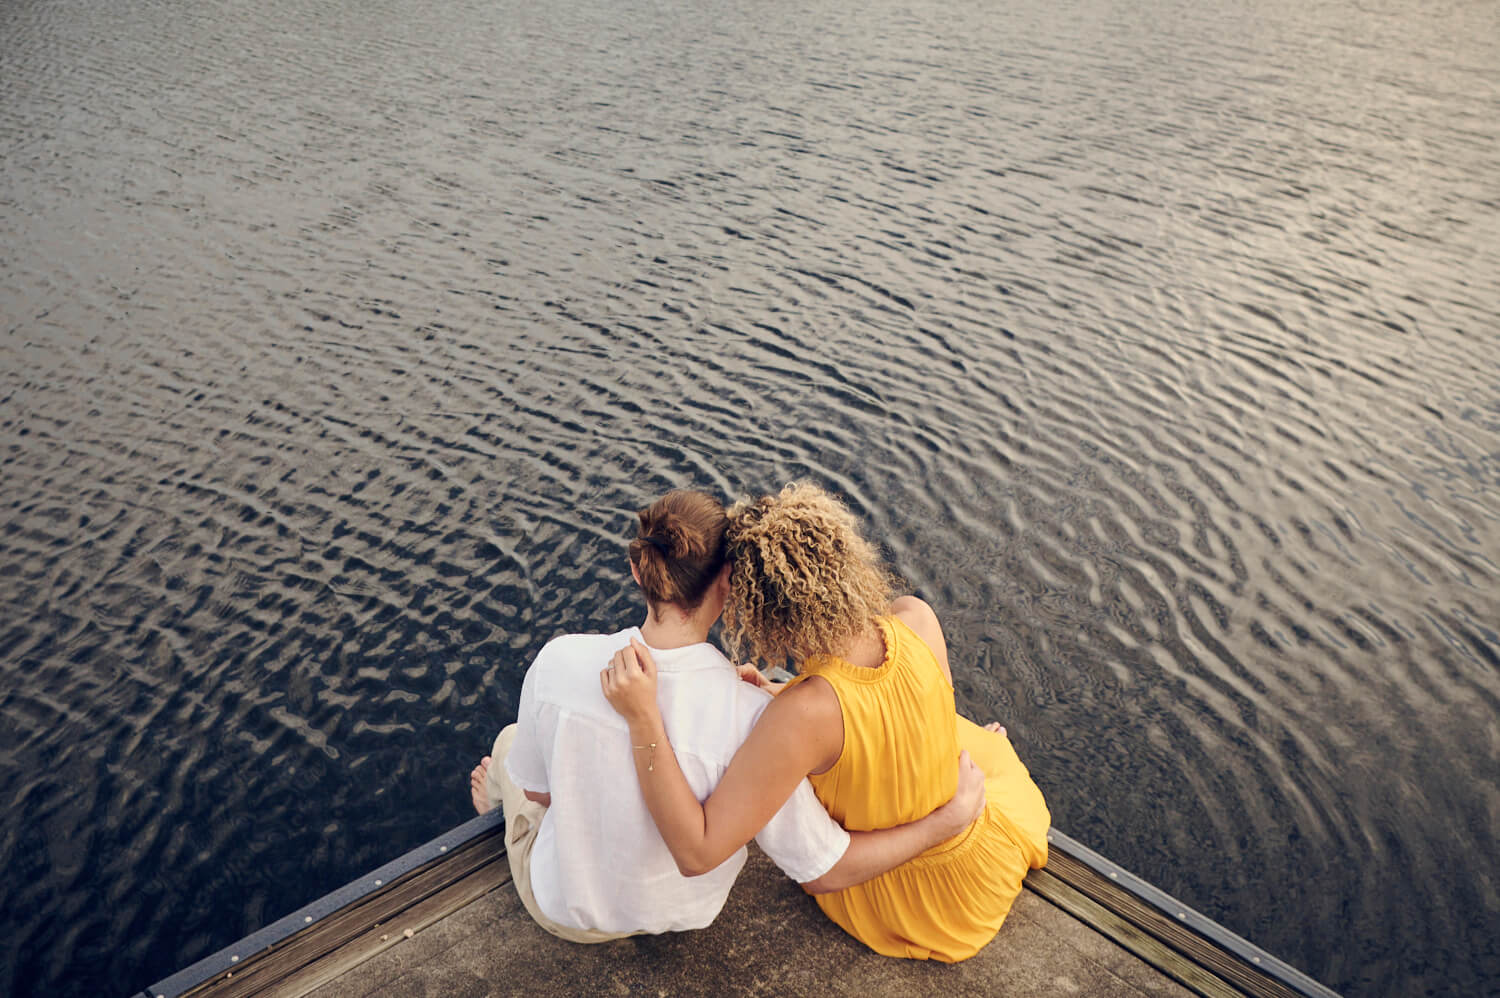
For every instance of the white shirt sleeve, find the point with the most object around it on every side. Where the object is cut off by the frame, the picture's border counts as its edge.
(801, 838)
(526, 764)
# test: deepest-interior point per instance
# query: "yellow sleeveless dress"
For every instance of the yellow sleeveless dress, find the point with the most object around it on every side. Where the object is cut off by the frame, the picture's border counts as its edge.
(902, 736)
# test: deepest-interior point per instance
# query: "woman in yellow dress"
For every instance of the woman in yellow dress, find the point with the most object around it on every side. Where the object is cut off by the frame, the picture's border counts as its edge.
(870, 720)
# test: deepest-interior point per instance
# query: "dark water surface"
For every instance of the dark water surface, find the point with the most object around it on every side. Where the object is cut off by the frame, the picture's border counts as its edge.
(1159, 342)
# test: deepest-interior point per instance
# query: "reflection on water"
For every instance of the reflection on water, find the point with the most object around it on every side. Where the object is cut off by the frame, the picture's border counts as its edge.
(1157, 342)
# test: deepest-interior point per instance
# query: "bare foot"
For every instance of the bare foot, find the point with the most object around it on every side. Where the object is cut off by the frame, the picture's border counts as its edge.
(995, 727)
(478, 777)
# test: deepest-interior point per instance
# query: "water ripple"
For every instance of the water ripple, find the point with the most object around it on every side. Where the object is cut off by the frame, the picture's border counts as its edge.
(1157, 346)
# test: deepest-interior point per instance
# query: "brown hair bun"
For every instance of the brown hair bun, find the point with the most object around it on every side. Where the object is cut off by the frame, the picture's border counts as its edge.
(679, 548)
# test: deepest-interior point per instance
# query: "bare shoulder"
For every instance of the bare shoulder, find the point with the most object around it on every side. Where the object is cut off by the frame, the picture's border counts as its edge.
(914, 612)
(810, 701)
(808, 720)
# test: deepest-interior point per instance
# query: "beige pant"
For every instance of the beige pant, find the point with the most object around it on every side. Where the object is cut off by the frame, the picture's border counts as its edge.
(523, 819)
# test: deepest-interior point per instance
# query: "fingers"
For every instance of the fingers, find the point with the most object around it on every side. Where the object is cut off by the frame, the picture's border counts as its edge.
(753, 676)
(613, 675)
(969, 771)
(970, 795)
(622, 666)
(629, 681)
(642, 655)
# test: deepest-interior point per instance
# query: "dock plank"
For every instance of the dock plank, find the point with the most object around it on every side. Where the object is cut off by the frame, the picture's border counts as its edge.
(771, 939)
(1149, 932)
(352, 934)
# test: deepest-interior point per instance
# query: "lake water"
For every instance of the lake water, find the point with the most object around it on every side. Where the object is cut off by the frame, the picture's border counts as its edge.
(1157, 342)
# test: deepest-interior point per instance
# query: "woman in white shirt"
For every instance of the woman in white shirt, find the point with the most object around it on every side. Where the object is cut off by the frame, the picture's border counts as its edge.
(585, 855)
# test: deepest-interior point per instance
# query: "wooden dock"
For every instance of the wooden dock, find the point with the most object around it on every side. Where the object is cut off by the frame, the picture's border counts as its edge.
(443, 921)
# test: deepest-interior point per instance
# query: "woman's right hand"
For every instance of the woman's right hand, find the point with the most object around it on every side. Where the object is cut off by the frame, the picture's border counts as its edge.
(629, 684)
(753, 676)
(969, 799)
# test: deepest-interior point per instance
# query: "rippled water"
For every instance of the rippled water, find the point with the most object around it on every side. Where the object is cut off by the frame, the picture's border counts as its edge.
(1159, 342)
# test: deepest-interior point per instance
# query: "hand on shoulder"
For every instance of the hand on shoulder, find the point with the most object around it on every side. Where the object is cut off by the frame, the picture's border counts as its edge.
(750, 674)
(629, 684)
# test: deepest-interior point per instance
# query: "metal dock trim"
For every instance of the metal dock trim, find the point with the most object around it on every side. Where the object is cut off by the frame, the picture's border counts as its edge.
(319, 940)
(1181, 942)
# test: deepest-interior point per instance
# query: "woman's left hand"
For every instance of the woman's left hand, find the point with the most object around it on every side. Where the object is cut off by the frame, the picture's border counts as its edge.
(629, 684)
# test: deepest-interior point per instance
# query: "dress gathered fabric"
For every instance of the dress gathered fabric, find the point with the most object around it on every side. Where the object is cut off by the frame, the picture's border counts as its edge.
(902, 737)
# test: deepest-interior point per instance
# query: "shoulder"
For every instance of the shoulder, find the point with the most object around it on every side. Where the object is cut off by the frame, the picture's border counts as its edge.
(566, 658)
(575, 647)
(923, 621)
(805, 723)
(808, 706)
(914, 612)
(911, 605)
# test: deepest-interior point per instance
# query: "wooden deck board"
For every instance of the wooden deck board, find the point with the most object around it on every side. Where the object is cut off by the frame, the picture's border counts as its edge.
(1072, 931)
(1149, 932)
(470, 938)
(771, 939)
(352, 934)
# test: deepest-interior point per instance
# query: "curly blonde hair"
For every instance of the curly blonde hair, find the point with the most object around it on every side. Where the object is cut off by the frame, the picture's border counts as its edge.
(804, 582)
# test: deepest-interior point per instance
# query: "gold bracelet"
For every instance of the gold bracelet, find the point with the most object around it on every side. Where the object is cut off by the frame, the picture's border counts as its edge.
(651, 759)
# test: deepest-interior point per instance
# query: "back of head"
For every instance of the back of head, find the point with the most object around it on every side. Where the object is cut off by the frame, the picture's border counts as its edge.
(679, 549)
(805, 582)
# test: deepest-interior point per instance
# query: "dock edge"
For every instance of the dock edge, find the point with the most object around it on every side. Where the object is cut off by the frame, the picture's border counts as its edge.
(1187, 945)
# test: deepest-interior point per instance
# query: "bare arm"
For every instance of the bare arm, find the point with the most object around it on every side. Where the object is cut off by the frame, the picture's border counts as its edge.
(543, 799)
(800, 732)
(872, 853)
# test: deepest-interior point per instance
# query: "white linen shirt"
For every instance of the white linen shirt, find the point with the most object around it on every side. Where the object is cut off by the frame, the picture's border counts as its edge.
(598, 861)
